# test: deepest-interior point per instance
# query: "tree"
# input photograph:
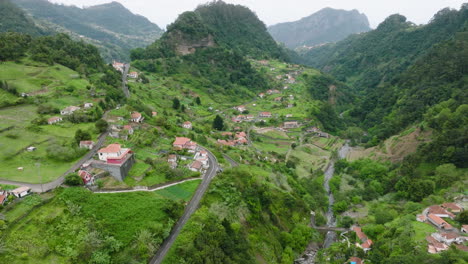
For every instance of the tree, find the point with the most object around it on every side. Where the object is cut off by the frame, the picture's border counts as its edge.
(198, 101)
(175, 103)
(81, 135)
(218, 123)
(462, 218)
(182, 108)
(101, 125)
(73, 180)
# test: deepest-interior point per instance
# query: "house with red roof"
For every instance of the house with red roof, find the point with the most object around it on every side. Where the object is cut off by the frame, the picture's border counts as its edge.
(452, 207)
(366, 242)
(54, 120)
(87, 177)
(114, 154)
(440, 212)
(3, 197)
(435, 246)
(265, 114)
(240, 108)
(278, 99)
(129, 129)
(136, 117)
(133, 74)
(187, 125)
(196, 166)
(181, 143)
(21, 191)
(464, 229)
(439, 222)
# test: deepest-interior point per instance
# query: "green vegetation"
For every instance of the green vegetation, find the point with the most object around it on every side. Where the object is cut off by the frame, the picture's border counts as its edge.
(13, 19)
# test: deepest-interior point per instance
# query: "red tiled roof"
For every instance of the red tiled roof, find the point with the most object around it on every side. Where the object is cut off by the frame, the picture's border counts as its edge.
(367, 244)
(111, 148)
(359, 233)
(135, 115)
(462, 247)
(2, 198)
(181, 141)
(449, 235)
(436, 209)
(53, 119)
(196, 165)
(452, 206)
(187, 123)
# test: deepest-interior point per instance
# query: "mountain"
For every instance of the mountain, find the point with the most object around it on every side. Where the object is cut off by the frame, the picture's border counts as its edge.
(324, 26)
(376, 63)
(100, 25)
(14, 19)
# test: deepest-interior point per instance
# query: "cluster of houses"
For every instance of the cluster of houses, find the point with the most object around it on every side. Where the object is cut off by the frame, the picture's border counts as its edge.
(366, 242)
(239, 138)
(269, 92)
(447, 234)
(18, 193)
(67, 111)
(200, 158)
(120, 66)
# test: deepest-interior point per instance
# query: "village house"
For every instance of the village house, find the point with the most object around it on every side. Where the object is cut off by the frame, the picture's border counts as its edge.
(226, 134)
(322, 134)
(3, 197)
(31, 148)
(366, 242)
(136, 117)
(249, 117)
(87, 105)
(88, 178)
(288, 115)
(464, 229)
(229, 143)
(119, 66)
(114, 154)
(181, 143)
(87, 144)
(240, 108)
(291, 124)
(278, 99)
(438, 222)
(286, 87)
(421, 218)
(133, 74)
(435, 246)
(449, 238)
(261, 95)
(440, 212)
(69, 110)
(153, 114)
(452, 207)
(21, 191)
(54, 120)
(187, 125)
(313, 130)
(196, 166)
(264, 114)
(202, 156)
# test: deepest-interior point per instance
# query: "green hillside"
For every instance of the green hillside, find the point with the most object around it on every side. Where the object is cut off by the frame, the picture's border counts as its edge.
(100, 25)
(14, 19)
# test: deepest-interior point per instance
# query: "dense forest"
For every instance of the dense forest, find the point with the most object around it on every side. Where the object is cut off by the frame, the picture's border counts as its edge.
(13, 19)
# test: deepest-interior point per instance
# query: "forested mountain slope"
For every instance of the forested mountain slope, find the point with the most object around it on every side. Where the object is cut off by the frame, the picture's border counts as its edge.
(111, 27)
(324, 26)
(14, 19)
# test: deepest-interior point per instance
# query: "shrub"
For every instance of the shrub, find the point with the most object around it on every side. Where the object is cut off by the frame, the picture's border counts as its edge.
(73, 180)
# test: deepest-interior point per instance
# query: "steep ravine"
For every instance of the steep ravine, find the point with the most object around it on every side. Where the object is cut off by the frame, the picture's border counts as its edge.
(310, 253)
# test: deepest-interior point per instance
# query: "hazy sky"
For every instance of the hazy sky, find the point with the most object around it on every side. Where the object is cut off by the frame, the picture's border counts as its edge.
(164, 12)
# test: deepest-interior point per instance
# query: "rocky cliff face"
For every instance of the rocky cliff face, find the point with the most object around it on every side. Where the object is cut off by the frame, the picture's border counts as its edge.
(324, 26)
(185, 46)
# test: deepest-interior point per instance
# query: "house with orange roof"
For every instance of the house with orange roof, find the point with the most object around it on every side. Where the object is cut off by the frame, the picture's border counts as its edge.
(114, 154)
(136, 117)
(187, 125)
(452, 207)
(54, 120)
(439, 222)
(440, 212)
(181, 143)
(88, 144)
(264, 114)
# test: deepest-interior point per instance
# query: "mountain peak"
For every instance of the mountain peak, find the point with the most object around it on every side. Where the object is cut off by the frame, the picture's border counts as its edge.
(323, 26)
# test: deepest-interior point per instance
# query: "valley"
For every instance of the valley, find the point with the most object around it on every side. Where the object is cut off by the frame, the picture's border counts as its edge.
(212, 143)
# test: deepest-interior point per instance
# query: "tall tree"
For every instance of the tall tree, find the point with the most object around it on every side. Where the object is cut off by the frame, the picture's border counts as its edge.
(175, 103)
(218, 123)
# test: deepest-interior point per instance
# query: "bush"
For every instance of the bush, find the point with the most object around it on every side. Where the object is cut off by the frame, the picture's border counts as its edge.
(73, 180)
(101, 125)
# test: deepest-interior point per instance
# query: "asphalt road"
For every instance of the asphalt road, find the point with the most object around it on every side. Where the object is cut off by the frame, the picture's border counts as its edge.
(189, 210)
(124, 80)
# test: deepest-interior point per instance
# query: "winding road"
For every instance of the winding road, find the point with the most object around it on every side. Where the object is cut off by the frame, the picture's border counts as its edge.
(189, 209)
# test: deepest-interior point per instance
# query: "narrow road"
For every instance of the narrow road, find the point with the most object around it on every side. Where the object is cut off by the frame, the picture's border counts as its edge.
(189, 210)
(37, 187)
(231, 161)
(124, 80)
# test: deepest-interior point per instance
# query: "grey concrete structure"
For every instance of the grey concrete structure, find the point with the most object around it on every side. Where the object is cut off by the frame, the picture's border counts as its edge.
(118, 171)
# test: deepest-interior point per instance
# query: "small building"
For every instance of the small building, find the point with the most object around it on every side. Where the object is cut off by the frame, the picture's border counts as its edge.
(54, 120)
(435, 246)
(288, 115)
(421, 218)
(440, 212)
(172, 158)
(88, 178)
(181, 143)
(439, 222)
(278, 99)
(187, 125)
(21, 191)
(229, 143)
(240, 108)
(88, 144)
(114, 154)
(133, 74)
(313, 130)
(69, 110)
(226, 134)
(153, 114)
(88, 105)
(196, 166)
(265, 114)
(136, 117)
(452, 207)
(261, 95)
(449, 238)
(119, 66)
(291, 124)
(354, 260)
(3, 197)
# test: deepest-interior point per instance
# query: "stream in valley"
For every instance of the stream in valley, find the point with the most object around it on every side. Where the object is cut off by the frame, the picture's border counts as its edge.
(309, 255)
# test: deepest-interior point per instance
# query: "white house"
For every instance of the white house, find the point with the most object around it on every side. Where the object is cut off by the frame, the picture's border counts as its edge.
(187, 125)
(88, 144)
(136, 117)
(21, 191)
(69, 110)
(54, 120)
(133, 75)
(196, 166)
(264, 114)
(113, 153)
(240, 108)
(88, 105)
(31, 148)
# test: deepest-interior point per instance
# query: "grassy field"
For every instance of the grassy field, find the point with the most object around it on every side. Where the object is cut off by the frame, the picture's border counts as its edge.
(57, 231)
(13, 143)
(422, 230)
